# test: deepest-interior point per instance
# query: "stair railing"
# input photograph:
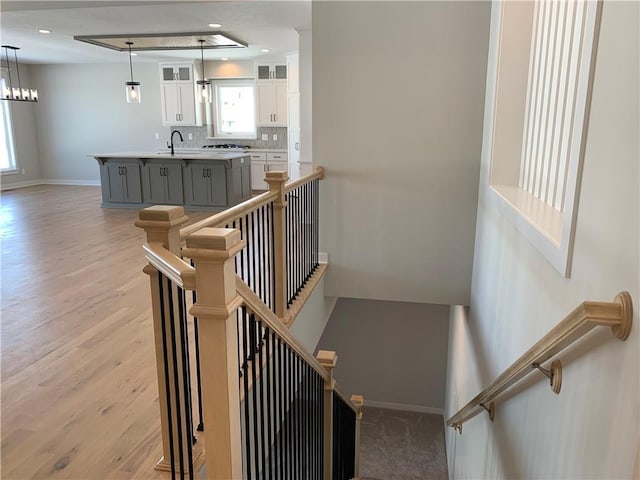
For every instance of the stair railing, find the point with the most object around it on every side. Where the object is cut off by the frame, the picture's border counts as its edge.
(257, 387)
(617, 315)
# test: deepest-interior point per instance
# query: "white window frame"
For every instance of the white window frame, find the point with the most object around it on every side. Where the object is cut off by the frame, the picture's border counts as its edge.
(252, 135)
(8, 132)
(549, 229)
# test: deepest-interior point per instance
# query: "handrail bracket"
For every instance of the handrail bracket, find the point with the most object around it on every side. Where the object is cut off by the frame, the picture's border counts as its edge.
(491, 410)
(554, 374)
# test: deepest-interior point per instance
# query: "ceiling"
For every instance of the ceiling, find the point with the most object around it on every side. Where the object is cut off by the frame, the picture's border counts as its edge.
(260, 24)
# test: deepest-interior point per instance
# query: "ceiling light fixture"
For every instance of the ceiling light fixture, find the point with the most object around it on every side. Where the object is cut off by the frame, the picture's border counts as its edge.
(133, 88)
(205, 85)
(44, 30)
(224, 59)
(9, 92)
(265, 50)
(215, 25)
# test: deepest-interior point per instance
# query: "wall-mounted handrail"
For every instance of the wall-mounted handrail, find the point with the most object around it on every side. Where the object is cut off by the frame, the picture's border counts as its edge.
(618, 315)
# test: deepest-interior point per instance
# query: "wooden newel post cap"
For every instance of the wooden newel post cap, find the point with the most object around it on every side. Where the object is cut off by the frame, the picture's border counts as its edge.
(161, 215)
(276, 177)
(327, 359)
(210, 242)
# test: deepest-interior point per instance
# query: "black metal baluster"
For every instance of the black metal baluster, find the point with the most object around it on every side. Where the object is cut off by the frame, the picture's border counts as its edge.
(196, 347)
(167, 382)
(254, 391)
(288, 246)
(260, 371)
(281, 433)
(186, 378)
(270, 443)
(260, 279)
(247, 421)
(176, 382)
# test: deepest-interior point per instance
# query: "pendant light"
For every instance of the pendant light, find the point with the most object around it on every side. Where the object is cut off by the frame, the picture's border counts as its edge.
(133, 88)
(11, 91)
(204, 84)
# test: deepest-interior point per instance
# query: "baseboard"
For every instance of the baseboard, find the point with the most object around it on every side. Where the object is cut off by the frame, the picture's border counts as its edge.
(33, 183)
(12, 185)
(85, 183)
(404, 407)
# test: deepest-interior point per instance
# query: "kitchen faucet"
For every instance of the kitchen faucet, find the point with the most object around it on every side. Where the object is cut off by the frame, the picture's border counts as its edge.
(171, 145)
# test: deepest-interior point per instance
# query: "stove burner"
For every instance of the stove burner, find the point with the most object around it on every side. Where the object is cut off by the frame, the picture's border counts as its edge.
(227, 146)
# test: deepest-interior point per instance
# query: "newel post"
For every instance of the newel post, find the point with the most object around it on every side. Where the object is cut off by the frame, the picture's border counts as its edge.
(162, 225)
(358, 402)
(213, 251)
(277, 181)
(328, 360)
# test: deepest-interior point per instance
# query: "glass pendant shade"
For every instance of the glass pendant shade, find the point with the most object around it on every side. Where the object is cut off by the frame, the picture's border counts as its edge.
(133, 92)
(205, 91)
(204, 85)
(132, 88)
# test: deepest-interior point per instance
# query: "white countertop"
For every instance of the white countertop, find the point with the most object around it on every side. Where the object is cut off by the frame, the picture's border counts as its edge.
(201, 154)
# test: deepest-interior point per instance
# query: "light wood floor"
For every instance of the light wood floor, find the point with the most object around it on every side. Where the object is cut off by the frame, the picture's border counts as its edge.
(78, 389)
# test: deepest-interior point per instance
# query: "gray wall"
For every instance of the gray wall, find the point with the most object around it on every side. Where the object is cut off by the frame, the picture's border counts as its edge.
(398, 94)
(591, 429)
(82, 110)
(390, 352)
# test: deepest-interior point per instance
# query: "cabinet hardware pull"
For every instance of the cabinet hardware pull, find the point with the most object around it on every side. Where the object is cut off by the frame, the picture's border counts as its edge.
(208, 172)
(297, 147)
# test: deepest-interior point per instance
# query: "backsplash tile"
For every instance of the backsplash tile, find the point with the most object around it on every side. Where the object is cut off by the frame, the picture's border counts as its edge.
(200, 138)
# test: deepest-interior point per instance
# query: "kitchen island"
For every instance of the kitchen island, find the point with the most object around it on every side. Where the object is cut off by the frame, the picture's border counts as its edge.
(196, 179)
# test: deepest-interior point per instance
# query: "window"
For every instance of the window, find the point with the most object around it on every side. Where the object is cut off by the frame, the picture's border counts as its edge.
(234, 109)
(543, 63)
(7, 156)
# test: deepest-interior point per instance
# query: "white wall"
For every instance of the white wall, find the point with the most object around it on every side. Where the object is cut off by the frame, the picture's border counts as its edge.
(24, 134)
(82, 110)
(398, 92)
(312, 319)
(591, 429)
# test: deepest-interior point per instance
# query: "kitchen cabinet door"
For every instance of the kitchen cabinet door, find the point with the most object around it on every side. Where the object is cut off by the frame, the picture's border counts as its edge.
(272, 103)
(206, 185)
(122, 183)
(197, 185)
(246, 181)
(258, 169)
(164, 184)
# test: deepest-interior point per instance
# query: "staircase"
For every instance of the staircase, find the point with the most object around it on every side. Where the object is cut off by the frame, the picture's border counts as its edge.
(239, 396)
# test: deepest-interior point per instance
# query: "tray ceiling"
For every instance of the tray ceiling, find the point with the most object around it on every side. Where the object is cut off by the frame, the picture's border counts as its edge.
(163, 41)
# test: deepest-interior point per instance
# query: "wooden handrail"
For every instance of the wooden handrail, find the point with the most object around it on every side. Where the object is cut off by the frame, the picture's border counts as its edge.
(341, 393)
(318, 173)
(257, 306)
(226, 216)
(618, 315)
(176, 269)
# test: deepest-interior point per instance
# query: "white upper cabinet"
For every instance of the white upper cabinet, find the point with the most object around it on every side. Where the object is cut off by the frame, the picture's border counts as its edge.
(271, 71)
(177, 91)
(271, 95)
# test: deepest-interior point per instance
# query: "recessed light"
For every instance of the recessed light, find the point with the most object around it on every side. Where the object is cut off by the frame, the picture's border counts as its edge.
(134, 54)
(44, 30)
(215, 25)
(224, 58)
(265, 50)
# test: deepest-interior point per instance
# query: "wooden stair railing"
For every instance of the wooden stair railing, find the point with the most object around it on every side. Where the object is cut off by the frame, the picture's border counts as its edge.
(222, 302)
(617, 315)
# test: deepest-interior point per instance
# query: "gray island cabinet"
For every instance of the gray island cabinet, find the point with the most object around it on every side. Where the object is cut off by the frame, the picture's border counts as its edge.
(197, 180)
